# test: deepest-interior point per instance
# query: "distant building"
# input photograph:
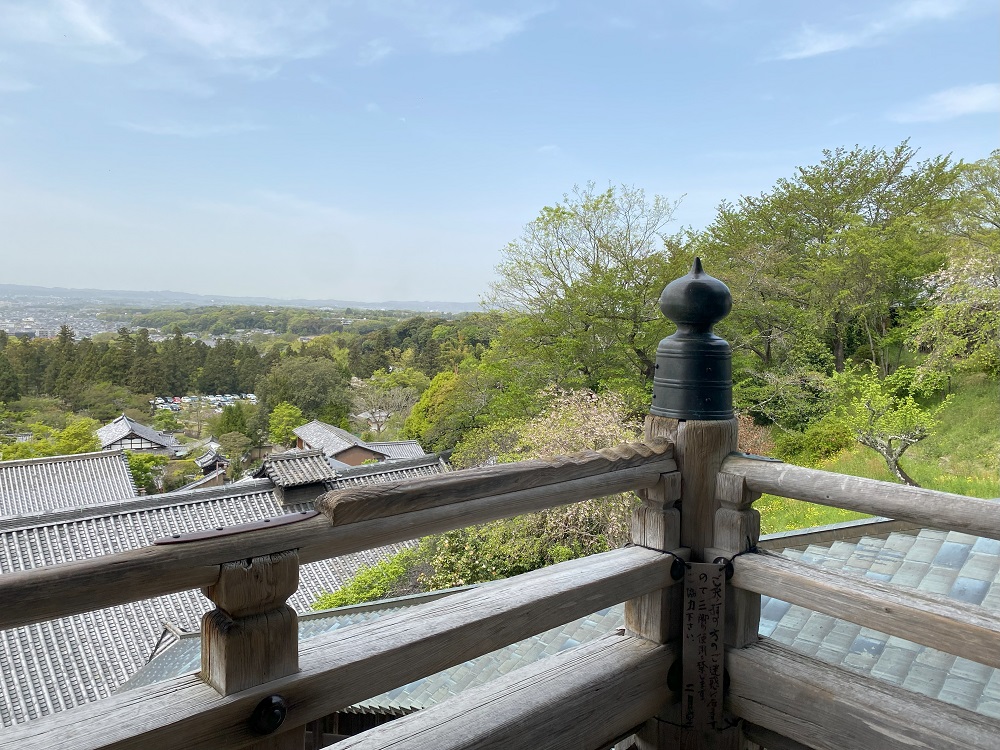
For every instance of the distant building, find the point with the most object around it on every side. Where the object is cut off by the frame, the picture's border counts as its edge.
(127, 434)
(350, 449)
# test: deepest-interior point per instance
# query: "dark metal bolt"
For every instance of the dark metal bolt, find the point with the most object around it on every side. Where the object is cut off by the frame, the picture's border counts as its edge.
(728, 565)
(268, 715)
(677, 569)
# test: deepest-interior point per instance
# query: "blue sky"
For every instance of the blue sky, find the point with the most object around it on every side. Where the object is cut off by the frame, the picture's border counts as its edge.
(388, 149)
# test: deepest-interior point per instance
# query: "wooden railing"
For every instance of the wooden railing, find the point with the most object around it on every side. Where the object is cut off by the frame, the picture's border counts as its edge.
(583, 698)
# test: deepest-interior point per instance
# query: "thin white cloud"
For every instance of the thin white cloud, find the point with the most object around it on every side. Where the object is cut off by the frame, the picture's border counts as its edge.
(57, 22)
(876, 29)
(191, 130)
(479, 31)
(973, 99)
(247, 31)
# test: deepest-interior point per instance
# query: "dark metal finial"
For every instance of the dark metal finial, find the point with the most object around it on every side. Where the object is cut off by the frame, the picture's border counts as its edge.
(693, 377)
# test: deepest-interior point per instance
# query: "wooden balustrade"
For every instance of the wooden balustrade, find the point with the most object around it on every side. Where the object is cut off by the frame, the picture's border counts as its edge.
(929, 619)
(829, 708)
(351, 664)
(937, 510)
(81, 586)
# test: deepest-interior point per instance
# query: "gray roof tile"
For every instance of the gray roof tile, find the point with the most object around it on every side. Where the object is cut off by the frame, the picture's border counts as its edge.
(62, 663)
(36, 485)
(294, 468)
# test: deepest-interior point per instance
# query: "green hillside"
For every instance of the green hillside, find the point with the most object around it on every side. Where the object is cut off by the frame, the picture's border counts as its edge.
(962, 456)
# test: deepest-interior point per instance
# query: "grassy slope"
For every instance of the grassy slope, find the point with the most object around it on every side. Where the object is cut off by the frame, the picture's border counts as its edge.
(962, 456)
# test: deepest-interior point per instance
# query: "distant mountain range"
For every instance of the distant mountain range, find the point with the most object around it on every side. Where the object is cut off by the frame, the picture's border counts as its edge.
(24, 293)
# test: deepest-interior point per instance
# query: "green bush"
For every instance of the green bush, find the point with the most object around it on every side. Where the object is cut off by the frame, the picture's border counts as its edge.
(820, 441)
(372, 582)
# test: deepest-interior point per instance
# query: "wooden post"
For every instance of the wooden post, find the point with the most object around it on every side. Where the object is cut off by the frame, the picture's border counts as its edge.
(252, 635)
(737, 529)
(656, 524)
(692, 407)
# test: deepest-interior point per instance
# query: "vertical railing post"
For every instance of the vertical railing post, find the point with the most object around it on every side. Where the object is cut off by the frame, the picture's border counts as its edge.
(251, 637)
(692, 406)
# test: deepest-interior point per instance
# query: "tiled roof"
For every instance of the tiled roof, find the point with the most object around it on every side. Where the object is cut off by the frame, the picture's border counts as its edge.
(35, 485)
(295, 467)
(327, 438)
(123, 426)
(399, 448)
(956, 565)
(952, 564)
(62, 663)
(209, 480)
(210, 458)
(388, 471)
(185, 654)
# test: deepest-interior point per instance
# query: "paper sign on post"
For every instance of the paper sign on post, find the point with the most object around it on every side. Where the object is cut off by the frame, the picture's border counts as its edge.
(703, 650)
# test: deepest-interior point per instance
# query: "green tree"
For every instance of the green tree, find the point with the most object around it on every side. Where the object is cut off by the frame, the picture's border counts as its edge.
(234, 446)
(285, 417)
(379, 401)
(166, 421)
(10, 385)
(837, 252)
(580, 288)
(79, 436)
(318, 386)
(571, 421)
(962, 328)
(147, 470)
(884, 414)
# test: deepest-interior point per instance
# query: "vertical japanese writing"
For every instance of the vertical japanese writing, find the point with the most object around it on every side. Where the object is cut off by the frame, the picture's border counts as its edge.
(702, 651)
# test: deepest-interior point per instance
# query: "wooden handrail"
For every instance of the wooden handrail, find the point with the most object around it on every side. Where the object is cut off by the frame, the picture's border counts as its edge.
(829, 708)
(936, 621)
(354, 663)
(59, 590)
(364, 503)
(938, 510)
(582, 698)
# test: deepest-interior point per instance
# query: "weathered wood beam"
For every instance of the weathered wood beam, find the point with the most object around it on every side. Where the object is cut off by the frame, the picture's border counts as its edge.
(364, 503)
(252, 636)
(932, 620)
(582, 698)
(60, 590)
(829, 708)
(354, 663)
(938, 510)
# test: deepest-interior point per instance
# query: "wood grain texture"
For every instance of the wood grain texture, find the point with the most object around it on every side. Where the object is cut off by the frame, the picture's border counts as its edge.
(930, 619)
(256, 584)
(252, 636)
(582, 698)
(828, 708)
(240, 653)
(351, 664)
(69, 588)
(699, 449)
(737, 529)
(392, 498)
(938, 510)
(656, 616)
